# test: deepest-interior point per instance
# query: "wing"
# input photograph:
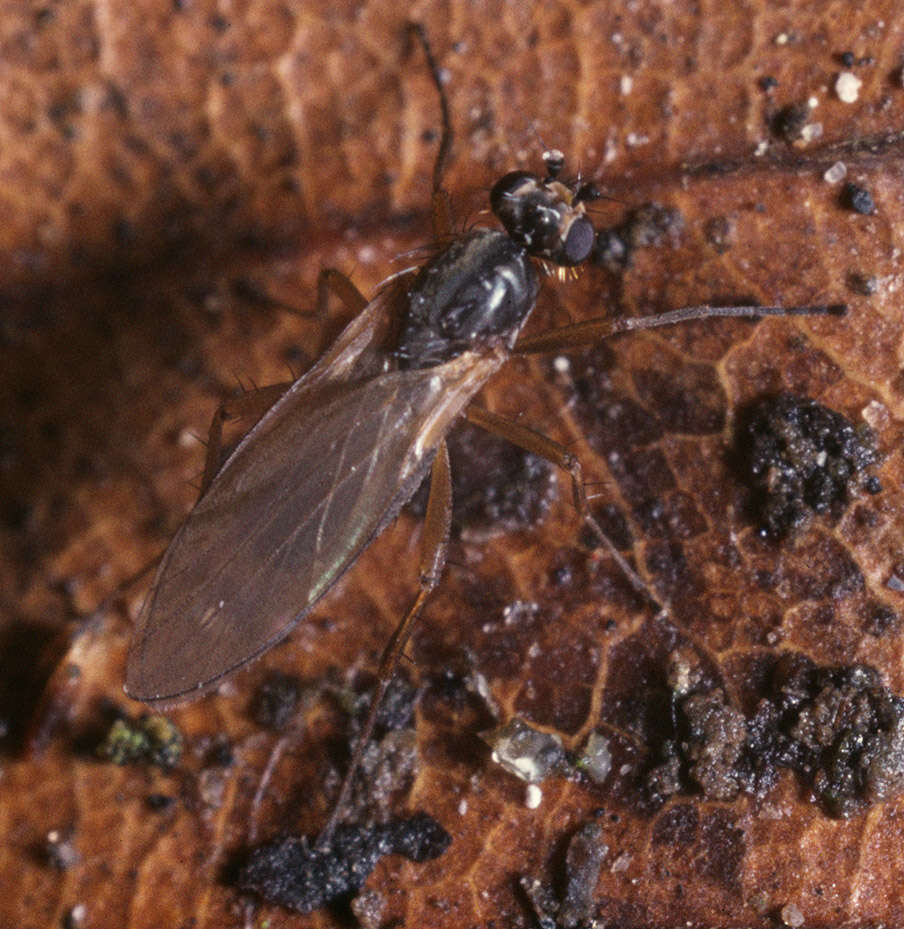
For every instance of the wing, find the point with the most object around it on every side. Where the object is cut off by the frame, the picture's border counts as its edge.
(304, 493)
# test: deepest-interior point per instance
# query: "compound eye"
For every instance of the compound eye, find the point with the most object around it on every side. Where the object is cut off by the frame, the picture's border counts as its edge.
(579, 241)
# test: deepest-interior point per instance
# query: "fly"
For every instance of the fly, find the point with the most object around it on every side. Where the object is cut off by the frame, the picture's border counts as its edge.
(332, 461)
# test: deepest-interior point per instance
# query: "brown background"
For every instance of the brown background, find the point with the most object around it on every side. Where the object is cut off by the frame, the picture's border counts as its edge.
(157, 155)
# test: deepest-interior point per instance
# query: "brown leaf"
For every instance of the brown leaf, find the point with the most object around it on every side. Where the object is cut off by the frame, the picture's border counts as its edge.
(164, 161)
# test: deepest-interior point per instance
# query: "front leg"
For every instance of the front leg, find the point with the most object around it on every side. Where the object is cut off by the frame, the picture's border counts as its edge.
(250, 405)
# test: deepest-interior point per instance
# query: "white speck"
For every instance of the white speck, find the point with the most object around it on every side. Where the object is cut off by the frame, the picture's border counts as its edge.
(895, 583)
(836, 173)
(220, 604)
(561, 364)
(596, 758)
(761, 148)
(811, 131)
(367, 254)
(187, 439)
(813, 102)
(504, 282)
(77, 916)
(781, 38)
(462, 807)
(435, 383)
(621, 863)
(876, 415)
(821, 459)
(635, 139)
(847, 87)
(518, 610)
(624, 769)
(533, 796)
(792, 916)
(626, 84)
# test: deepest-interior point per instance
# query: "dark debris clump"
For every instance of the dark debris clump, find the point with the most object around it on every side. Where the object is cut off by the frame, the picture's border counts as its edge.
(802, 458)
(839, 728)
(711, 753)
(843, 729)
(649, 225)
(574, 906)
(275, 701)
(716, 737)
(788, 123)
(857, 198)
(294, 873)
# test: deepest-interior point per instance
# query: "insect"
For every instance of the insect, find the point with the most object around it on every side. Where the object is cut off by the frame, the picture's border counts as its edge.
(338, 452)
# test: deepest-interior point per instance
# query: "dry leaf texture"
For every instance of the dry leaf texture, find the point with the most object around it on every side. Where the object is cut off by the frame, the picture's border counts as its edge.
(165, 164)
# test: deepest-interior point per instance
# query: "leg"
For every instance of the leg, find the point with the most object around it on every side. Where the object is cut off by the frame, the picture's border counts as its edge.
(251, 405)
(331, 279)
(433, 560)
(328, 279)
(255, 403)
(596, 330)
(256, 294)
(557, 454)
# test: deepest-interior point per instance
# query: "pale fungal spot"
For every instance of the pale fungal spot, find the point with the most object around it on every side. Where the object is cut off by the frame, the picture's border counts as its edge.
(525, 767)
(533, 796)
(626, 84)
(561, 364)
(847, 87)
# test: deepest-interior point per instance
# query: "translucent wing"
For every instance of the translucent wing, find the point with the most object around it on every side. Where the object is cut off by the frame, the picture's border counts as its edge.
(305, 492)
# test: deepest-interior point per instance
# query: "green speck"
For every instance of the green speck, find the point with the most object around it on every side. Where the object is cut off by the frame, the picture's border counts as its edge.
(146, 740)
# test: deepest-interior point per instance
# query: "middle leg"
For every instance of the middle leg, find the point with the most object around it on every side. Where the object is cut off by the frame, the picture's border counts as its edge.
(555, 453)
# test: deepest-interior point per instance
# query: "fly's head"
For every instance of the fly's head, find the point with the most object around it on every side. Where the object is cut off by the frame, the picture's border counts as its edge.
(545, 216)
